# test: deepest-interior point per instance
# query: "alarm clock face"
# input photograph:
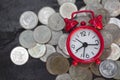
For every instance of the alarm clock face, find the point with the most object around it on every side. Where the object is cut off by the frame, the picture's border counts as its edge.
(85, 43)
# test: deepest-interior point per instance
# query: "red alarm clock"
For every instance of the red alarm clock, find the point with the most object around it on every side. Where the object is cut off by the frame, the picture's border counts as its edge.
(85, 43)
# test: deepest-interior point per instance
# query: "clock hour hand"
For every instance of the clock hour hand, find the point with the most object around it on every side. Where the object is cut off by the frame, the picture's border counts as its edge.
(79, 48)
(79, 40)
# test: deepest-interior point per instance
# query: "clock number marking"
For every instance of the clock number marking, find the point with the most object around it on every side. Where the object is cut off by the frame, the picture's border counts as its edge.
(83, 33)
(87, 56)
(92, 53)
(95, 48)
(97, 42)
(88, 33)
(73, 46)
(93, 37)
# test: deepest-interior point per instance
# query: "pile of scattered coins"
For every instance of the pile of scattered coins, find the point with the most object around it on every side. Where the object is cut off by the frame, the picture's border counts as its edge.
(48, 41)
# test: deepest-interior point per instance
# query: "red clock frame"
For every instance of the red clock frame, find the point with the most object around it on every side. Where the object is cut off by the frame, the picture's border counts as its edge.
(95, 58)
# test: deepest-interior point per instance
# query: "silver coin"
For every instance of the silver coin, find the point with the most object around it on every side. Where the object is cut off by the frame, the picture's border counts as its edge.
(95, 69)
(42, 34)
(105, 15)
(99, 79)
(67, 9)
(44, 14)
(56, 22)
(37, 51)
(115, 21)
(62, 43)
(113, 7)
(60, 2)
(106, 53)
(82, 18)
(19, 55)
(113, 29)
(49, 50)
(78, 73)
(28, 20)
(94, 7)
(108, 68)
(55, 37)
(108, 38)
(115, 53)
(118, 72)
(91, 1)
(57, 64)
(61, 52)
(26, 39)
(84, 65)
(64, 76)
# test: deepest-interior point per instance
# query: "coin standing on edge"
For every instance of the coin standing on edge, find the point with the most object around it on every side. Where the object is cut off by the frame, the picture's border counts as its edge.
(106, 53)
(91, 1)
(115, 53)
(67, 9)
(49, 50)
(60, 2)
(42, 34)
(26, 39)
(56, 22)
(108, 68)
(115, 21)
(19, 55)
(28, 20)
(55, 37)
(37, 51)
(44, 14)
(64, 76)
(95, 69)
(78, 73)
(57, 64)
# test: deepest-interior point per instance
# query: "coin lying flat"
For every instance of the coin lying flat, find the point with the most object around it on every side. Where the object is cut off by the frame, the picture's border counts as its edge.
(19, 55)
(106, 53)
(78, 73)
(118, 72)
(95, 69)
(42, 34)
(55, 37)
(67, 9)
(49, 50)
(65, 76)
(113, 29)
(113, 7)
(60, 2)
(61, 52)
(115, 21)
(82, 18)
(91, 1)
(84, 65)
(26, 39)
(37, 51)
(99, 79)
(57, 64)
(115, 53)
(44, 14)
(105, 15)
(28, 20)
(62, 43)
(56, 22)
(108, 38)
(108, 68)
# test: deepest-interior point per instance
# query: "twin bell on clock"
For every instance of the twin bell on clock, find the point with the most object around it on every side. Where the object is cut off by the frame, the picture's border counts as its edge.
(85, 43)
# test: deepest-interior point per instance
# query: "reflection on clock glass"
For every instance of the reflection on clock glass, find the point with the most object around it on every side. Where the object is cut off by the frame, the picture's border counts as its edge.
(85, 44)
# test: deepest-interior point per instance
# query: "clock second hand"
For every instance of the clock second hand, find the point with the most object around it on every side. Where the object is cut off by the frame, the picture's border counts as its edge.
(79, 48)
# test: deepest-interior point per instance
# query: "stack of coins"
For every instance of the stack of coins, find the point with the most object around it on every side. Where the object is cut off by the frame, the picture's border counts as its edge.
(48, 40)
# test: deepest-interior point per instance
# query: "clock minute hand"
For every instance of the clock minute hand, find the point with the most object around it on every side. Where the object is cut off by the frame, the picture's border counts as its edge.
(84, 52)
